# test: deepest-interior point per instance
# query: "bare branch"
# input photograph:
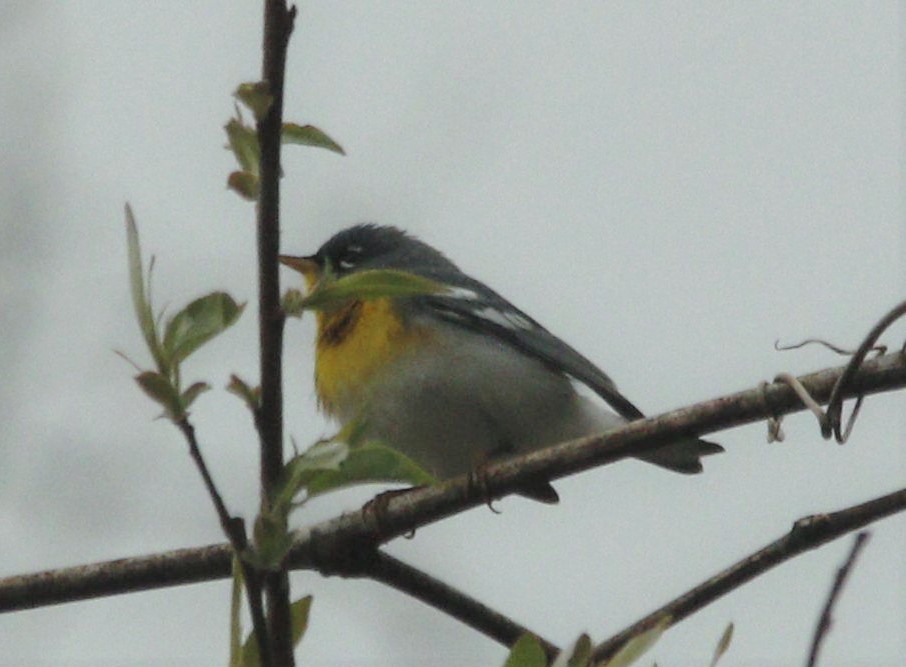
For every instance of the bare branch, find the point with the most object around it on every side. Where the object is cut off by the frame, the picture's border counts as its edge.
(234, 529)
(824, 622)
(115, 577)
(236, 538)
(213, 562)
(396, 574)
(807, 533)
(278, 25)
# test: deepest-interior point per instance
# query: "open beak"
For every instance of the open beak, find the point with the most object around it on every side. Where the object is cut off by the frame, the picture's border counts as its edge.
(309, 267)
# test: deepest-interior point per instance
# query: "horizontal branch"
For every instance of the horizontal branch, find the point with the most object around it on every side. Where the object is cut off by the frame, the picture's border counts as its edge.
(325, 545)
(114, 577)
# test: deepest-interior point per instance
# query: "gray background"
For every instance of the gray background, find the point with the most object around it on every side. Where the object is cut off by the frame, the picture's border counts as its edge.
(670, 187)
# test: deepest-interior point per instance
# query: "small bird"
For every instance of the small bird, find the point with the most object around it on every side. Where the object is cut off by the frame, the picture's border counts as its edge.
(460, 377)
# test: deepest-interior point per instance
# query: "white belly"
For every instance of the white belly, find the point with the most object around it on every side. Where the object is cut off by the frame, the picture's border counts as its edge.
(452, 409)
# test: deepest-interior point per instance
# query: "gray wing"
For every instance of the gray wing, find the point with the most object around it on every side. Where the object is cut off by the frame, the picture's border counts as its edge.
(476, 307)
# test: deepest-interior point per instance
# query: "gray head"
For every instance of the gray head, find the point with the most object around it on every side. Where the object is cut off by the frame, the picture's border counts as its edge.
(370, 246)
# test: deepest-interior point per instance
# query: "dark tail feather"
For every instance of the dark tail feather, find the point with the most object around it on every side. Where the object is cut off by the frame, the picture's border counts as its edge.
(543, 492)
(683, 456)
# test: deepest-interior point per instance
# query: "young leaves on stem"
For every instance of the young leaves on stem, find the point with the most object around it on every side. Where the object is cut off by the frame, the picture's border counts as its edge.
(172, 342)
(242, 138)
(309, 135)
(249, 394)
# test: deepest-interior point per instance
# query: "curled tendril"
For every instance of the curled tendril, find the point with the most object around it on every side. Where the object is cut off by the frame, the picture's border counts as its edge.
(831, 420)
(880, 349)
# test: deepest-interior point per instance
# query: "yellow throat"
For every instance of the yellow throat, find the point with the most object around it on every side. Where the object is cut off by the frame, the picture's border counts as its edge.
(355, 341)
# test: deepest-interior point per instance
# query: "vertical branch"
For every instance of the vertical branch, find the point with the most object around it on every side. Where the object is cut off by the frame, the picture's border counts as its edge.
(278, 24)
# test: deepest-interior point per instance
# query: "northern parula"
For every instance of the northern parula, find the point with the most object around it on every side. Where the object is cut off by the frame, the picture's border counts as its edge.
(456, 378)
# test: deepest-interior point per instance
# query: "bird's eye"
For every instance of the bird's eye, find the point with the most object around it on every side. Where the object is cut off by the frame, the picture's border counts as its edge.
(350, 256)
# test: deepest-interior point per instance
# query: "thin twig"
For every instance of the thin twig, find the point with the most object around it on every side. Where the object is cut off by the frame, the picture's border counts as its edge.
(835, 402)
(824, 622)
(420, 585)
(830, 420)
(806, 534)
(278, 25)
(236, 537)
(234, 529)
(880, 349)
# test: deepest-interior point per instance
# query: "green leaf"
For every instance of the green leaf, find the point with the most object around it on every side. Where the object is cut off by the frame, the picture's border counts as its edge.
(368, 463)
(370, 284)
(251, 395)
(198, 323)
(723, 644)
(327, 455)
(159, 388)
(309, 135)
(299, 613)
(578, 656)
(245, 184)
(633, 649)
(256, 96)
(526, 652)
(189, 395)
(243, 141)
(140, 300)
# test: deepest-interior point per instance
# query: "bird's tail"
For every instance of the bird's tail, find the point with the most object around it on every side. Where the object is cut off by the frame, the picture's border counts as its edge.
(683, 455)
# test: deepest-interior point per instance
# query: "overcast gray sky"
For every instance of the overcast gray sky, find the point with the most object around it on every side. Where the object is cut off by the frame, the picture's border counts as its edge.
(670, 187)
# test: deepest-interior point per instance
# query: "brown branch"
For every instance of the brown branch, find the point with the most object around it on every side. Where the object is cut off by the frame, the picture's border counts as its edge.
(209, 563)
(115, 577)
(421, 586)
(330, 541)
(234, 529)
(824, 622)
(236, 537)
(360, 530)
(806, 534)
(278, 25)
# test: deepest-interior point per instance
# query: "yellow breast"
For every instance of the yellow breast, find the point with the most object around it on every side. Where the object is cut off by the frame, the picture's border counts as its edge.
(354, 343)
